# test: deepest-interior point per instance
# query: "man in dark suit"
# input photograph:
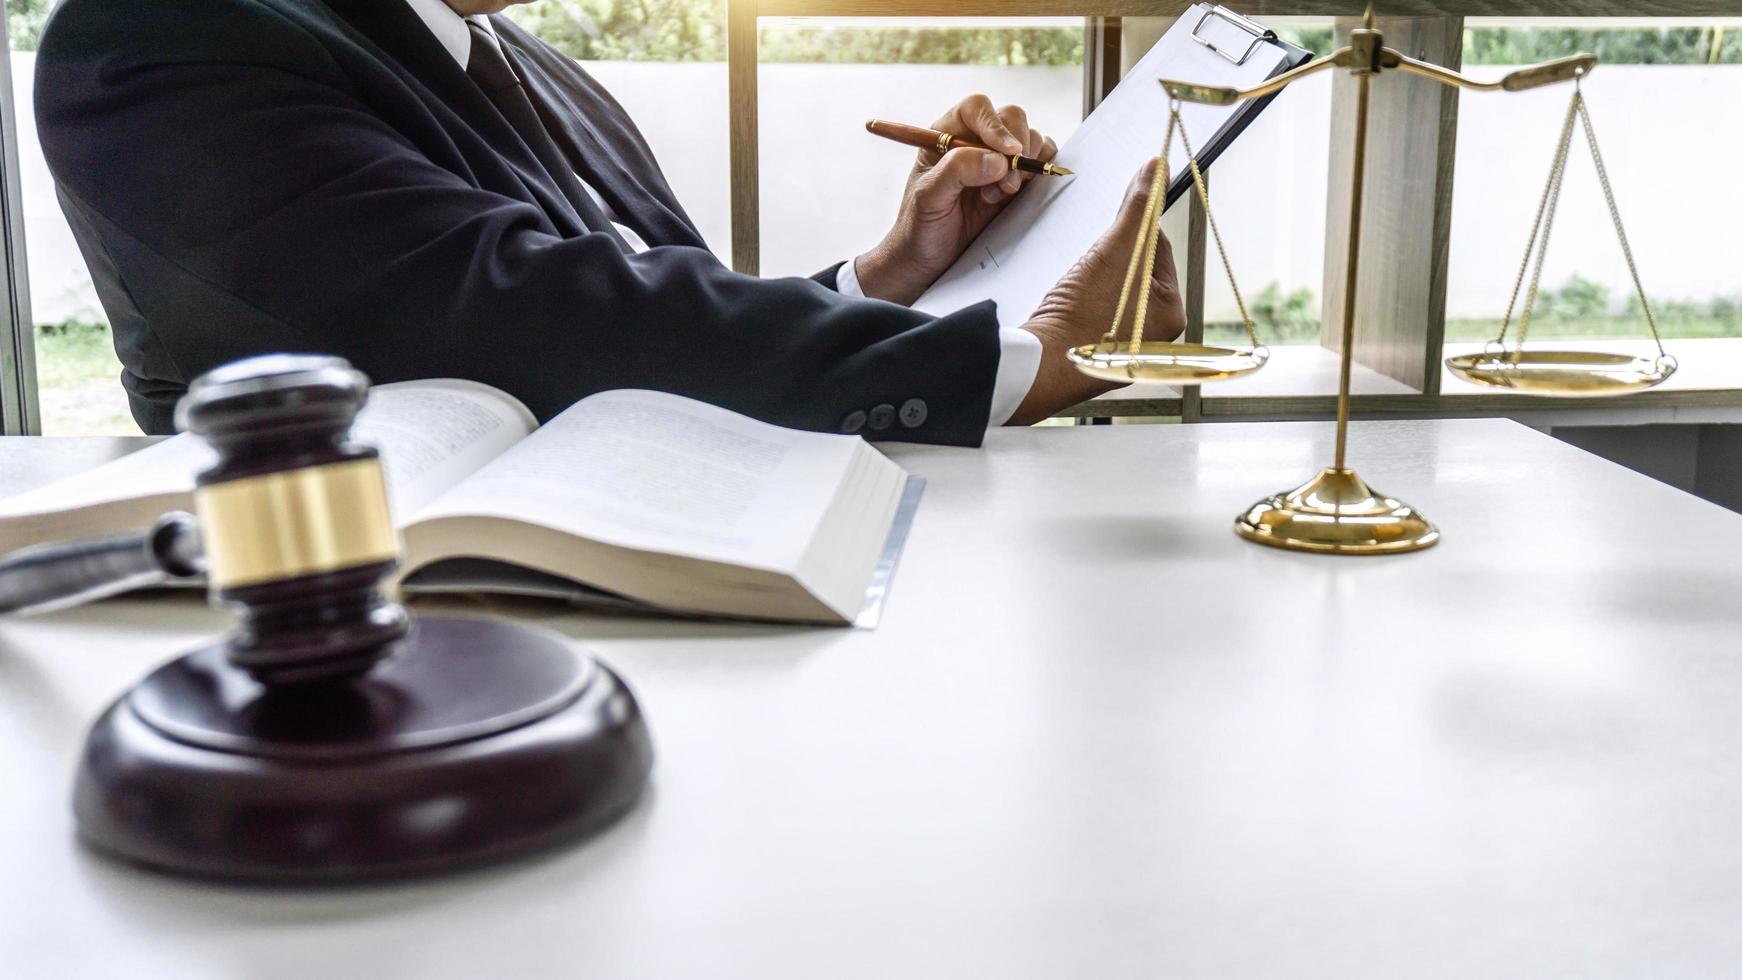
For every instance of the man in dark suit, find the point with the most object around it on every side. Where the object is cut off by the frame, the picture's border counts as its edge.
(432, 192)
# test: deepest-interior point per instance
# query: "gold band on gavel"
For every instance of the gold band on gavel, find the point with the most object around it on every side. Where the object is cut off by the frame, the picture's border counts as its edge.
(285, 525)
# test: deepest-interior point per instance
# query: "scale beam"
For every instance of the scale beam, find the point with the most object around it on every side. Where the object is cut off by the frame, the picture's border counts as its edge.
(1529, 77)
(1518, 80)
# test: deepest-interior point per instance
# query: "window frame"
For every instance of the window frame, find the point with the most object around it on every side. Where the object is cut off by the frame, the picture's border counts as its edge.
(19, 410)
(19, 406)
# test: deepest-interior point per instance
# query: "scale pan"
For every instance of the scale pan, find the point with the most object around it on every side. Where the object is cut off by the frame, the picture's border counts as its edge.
(1180, 364)
(1565, 373)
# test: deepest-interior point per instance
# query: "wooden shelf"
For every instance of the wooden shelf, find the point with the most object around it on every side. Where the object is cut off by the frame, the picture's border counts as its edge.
(1301, 383)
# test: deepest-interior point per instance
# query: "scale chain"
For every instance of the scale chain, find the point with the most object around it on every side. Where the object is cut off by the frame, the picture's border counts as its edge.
(1536, 226)
(1157, 188)
(1545, 212)
(1615, 215)
(1149, 238)
(1544, 224)
(1554, 202)
(1210, 216)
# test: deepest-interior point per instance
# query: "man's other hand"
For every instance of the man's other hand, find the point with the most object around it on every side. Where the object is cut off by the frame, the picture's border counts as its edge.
(1079, 309)
(950, 197)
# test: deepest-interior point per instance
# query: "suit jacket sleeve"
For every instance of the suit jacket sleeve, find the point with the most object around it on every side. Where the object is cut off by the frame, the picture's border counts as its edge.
(256, 197)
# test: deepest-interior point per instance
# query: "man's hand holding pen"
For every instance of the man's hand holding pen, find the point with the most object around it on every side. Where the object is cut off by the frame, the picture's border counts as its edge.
(954, 191)
(950, 197)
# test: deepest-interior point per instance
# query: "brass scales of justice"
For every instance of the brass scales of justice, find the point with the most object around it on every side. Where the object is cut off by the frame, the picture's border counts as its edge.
(1336, 512)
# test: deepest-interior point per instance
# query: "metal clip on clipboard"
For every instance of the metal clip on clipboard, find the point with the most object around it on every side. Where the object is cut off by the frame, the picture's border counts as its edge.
(1256, 32)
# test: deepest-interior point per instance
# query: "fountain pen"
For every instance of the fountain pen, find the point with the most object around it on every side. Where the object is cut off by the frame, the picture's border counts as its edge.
(931, 139)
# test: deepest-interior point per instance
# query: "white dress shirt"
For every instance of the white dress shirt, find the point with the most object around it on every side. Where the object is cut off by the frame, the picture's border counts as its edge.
(1019, 350)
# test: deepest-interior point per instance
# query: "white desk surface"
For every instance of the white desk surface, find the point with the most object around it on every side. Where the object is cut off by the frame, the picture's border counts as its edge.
(1096, 736)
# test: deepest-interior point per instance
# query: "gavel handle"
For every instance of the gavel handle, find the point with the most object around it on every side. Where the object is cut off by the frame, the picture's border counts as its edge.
(55, 576)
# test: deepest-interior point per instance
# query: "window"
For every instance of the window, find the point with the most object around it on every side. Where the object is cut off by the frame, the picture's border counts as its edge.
(1656, 102)
(665, 61)
(680, 103)
(829, 191)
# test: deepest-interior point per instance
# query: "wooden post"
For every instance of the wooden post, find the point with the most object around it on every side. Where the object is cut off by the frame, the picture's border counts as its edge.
(741, 100)
(1400, 312)
(1189, 264)
(1102, 67)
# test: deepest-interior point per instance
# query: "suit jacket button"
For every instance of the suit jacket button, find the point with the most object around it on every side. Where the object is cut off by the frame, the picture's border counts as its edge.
(913, 412)
(853, 422)
(882, 416)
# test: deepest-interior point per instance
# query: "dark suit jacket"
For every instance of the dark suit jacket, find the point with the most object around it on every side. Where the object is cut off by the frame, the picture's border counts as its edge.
(296, 175)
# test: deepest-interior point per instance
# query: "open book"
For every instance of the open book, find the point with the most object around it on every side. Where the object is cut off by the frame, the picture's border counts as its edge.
(627, 497)
(1047, 227)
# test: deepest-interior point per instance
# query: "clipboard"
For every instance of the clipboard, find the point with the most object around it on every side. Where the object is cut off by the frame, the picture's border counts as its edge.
(1255, 34)
(1052, 222)
(1236, 40)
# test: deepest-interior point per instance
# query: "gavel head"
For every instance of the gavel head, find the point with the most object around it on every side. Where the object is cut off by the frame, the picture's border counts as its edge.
(294, 517)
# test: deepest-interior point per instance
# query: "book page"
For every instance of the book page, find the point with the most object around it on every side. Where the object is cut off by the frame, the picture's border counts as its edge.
(1054, 220)
(658, 472)
(431, 435)
(842, 558)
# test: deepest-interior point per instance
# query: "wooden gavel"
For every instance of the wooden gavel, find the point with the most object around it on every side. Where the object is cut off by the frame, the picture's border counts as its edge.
(293, 525)
(308, 744)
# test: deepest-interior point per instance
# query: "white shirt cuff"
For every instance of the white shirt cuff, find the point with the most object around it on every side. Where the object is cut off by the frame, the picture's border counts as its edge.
(847, 280)
(1018, 362)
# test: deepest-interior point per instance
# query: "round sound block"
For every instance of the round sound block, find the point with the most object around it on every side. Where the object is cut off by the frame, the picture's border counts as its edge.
(476, 740)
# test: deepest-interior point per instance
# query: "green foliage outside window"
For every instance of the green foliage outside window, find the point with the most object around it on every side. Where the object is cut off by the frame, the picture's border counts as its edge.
(1613, 45)
(1581, 298)
(1579, 307)
(24, 20)
(694, 30)
(629, 30)
(952, 46)
(1293, 315)
(1318, 40)
(1618, 46)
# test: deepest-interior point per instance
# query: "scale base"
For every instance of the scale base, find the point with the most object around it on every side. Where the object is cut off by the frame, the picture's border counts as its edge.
(1337, 513)
(475, 740)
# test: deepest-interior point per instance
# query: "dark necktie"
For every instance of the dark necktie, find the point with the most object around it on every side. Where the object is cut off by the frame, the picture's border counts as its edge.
(489, 67)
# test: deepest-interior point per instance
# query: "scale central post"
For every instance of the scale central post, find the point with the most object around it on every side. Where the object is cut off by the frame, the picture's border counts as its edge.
(1336, 512)
(1365, 45)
